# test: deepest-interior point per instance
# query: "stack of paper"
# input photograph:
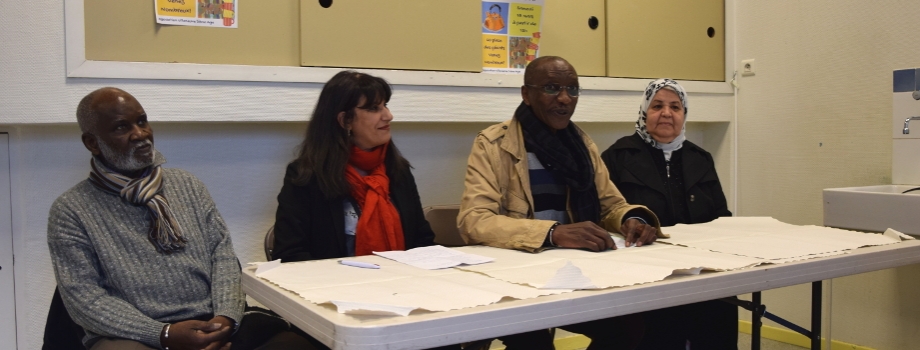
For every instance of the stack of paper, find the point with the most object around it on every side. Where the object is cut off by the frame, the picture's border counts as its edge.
(394, 289)
(419, 278)
(772, 240)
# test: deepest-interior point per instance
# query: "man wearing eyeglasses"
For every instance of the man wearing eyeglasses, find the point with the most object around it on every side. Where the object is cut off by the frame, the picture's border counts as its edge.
(537, 181)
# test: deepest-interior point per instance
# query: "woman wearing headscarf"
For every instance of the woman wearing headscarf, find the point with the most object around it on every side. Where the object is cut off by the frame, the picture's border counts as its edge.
(349, 192)
(659, 168)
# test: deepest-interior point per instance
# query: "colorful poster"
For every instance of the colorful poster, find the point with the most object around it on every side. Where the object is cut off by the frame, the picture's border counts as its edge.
(510, 34)
(203, 13)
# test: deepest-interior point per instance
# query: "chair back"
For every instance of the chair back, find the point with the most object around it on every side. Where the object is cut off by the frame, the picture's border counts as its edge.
(443, 221)
(269, 243)
(61, 332)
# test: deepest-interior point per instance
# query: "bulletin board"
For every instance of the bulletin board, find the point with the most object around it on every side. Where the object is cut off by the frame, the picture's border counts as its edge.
(268, 34)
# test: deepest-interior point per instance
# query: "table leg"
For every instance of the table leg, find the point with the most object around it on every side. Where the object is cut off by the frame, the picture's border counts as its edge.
(816, 296)
(755, 321)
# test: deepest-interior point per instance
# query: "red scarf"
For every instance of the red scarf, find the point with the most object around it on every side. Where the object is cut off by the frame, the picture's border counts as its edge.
(379, 227)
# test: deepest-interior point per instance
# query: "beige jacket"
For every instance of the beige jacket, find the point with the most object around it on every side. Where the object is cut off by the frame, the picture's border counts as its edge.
(497, 206)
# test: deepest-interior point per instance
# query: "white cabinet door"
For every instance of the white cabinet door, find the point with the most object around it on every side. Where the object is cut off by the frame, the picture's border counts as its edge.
(7, 299)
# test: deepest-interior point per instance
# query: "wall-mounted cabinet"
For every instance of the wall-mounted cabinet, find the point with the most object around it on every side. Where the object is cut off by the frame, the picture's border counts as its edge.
(666, 38)
(613, 38)
(638, 39)
(406, 34)
(570, 32)
(126, 31)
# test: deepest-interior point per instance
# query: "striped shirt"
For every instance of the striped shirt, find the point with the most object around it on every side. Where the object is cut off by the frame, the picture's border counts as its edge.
(549, 193)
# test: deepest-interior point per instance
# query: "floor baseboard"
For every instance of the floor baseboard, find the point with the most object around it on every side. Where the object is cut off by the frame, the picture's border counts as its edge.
(790, 337)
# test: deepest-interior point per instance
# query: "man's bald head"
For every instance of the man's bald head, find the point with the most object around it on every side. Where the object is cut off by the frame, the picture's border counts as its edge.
(538, 66)
(89, 109)
(115, 129)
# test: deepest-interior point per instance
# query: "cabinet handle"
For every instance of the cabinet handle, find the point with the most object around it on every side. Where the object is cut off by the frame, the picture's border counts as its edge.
(325, 3)
(593, 22)
(711, 32)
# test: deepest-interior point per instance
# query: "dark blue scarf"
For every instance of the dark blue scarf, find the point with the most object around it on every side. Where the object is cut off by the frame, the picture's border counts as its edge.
(565, 155)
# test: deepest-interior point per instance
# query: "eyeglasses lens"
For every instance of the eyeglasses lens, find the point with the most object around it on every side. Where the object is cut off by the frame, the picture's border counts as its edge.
(555, 89)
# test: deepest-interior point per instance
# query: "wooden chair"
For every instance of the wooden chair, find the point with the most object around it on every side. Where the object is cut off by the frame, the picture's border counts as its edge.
(443, 221)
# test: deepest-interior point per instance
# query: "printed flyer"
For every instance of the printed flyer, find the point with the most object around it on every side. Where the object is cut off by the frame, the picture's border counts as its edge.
(510, 34)
(203, 13)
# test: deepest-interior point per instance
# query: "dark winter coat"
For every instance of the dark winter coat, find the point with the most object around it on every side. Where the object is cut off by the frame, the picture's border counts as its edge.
(636, 174)
(308, 226)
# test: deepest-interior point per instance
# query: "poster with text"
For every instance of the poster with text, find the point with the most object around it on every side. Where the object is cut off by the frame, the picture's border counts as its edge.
(510, 34)
(203, 13)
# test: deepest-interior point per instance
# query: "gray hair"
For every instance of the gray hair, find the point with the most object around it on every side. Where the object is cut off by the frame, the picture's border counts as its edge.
(87, 116)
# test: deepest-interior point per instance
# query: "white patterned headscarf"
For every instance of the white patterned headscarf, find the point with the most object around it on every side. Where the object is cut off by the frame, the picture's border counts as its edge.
(650, 91)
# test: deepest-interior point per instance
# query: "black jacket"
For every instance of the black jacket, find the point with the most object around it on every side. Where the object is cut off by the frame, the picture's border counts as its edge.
(310, 227)
(634, 172)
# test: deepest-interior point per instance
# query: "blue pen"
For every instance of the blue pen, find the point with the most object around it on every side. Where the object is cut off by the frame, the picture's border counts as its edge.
(359, 264)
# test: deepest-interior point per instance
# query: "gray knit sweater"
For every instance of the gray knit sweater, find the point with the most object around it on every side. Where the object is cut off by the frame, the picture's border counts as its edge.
(115, 283)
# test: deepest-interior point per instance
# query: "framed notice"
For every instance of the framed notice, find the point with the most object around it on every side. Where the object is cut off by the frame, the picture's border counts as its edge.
(510, 34)
(202, 13)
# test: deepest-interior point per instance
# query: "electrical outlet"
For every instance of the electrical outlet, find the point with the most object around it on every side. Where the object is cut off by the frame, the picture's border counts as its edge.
(747, 67)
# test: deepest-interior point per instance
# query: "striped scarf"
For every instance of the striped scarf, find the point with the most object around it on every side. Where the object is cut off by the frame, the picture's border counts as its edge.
(165, 233)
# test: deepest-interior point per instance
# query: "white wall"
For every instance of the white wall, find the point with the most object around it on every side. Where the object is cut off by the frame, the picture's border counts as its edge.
(817, 115)
(242, 163)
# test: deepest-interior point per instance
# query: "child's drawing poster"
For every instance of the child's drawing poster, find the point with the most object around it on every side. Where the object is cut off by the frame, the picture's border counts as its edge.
(510, 34)
(203, 13)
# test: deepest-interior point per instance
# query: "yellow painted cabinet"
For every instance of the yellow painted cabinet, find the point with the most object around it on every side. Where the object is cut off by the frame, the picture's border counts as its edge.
(567, 32)
(440, 35)
(119, 30)
(633, 38)
(677, 39)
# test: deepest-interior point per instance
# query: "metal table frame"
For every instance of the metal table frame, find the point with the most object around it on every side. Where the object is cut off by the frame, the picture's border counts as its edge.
(759, 311)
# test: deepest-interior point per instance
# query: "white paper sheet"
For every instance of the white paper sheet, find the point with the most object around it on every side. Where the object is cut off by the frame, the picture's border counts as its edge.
(569, 277)
(614, 268)
(895, 234)
(433, 257)
(772, 240)
(347, 307)
(394, 287)
(263, 267)
(619, 241)
(722, 245)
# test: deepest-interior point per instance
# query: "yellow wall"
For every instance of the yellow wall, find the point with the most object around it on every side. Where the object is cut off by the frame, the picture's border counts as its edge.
(816, 115)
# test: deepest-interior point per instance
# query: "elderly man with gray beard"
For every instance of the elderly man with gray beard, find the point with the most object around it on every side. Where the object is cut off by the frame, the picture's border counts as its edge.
(141, 255)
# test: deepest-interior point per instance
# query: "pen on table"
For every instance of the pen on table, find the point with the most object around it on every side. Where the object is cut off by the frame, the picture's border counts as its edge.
(359, 264)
